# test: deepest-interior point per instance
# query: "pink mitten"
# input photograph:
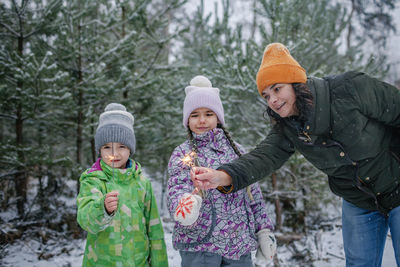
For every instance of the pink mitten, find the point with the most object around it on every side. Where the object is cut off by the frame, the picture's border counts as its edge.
(188, 208)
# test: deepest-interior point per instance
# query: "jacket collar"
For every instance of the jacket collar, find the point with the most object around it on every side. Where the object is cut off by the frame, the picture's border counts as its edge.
(318, 122)
(211, 138)
(133, 170)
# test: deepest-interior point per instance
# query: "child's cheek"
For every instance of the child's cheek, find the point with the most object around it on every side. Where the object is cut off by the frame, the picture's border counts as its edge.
(106, 160)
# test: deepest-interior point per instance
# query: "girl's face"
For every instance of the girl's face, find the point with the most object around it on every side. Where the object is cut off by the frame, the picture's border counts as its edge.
(115, 154)
(281, 99)
(202, 120)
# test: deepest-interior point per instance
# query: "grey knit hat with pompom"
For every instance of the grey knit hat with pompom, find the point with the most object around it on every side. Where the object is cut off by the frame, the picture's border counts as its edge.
(115, 125)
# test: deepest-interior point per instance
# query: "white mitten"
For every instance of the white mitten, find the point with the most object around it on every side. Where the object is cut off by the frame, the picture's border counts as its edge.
(266, 245)
(188, 208)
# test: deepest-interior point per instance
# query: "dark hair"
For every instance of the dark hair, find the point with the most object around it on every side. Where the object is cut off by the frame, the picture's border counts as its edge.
(304, 103)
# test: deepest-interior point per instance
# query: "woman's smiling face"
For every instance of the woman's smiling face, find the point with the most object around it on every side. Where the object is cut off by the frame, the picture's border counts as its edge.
(281, 99)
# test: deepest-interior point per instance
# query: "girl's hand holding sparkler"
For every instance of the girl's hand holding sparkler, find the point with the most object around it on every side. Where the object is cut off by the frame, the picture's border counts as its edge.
(111, 202)
(188, 209)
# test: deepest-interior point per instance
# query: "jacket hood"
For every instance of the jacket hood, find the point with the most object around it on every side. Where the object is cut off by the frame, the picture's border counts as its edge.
(106, 173)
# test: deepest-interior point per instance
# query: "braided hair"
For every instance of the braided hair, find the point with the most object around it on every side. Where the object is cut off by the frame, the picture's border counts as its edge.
(228, 136)
(192, 142)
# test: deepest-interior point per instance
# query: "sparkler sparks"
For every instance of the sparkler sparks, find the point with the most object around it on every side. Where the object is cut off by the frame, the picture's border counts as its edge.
(191, 161)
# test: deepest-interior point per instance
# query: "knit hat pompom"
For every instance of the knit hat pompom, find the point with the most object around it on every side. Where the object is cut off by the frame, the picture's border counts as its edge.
(201, 94)
(278, 66)
(115, 125)
(115, 106)
(200, 81)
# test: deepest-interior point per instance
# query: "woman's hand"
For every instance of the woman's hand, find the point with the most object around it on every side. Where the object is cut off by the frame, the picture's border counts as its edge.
(206, 178)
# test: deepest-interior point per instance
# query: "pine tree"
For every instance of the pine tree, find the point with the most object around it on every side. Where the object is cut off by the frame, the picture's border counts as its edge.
(27, 71)
(374, 19)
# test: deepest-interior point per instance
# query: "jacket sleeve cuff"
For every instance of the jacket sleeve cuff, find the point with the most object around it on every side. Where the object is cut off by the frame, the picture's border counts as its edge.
(225, 189)
(107, 217)
(230, 188)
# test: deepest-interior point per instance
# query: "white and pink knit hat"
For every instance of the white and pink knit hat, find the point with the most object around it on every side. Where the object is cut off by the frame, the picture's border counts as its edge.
(201, 94)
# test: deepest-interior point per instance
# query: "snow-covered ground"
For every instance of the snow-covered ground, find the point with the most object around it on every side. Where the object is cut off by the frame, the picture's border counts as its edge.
(323, 247)
(61, 254)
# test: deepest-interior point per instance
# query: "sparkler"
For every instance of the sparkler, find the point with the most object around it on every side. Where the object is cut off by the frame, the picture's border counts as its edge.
(191, 161)
(111, 158)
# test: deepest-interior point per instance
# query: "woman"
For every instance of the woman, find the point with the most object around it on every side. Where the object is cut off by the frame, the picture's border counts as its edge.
(348, 127)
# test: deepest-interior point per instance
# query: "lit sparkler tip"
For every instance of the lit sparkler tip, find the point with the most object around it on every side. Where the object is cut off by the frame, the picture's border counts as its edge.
(190, 159)
(186, 159)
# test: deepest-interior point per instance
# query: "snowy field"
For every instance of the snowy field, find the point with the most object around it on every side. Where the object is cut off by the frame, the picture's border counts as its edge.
(33, 253)
(323, 247)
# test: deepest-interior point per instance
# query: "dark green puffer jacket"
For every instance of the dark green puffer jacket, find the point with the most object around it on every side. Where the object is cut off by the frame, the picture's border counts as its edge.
(352, 135)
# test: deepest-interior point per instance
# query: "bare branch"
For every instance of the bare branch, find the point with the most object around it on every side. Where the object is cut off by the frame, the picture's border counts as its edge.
(7, 116)
(14, 33)
(10, 174)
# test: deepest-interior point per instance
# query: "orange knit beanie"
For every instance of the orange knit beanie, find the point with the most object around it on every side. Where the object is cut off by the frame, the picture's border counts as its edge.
(278, 66)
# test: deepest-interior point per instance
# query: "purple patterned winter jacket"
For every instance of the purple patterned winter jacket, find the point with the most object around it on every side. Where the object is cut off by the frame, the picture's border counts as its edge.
(227, 222)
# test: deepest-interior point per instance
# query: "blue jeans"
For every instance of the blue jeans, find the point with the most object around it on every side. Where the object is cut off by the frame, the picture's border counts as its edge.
(208, 259)
(364, 235)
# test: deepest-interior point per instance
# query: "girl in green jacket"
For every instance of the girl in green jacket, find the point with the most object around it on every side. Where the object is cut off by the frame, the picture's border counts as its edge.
(346, 125)
(116, 205)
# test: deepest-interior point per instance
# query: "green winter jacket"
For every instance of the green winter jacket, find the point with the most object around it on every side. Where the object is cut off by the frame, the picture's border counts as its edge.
(352, 135)
(133, 235)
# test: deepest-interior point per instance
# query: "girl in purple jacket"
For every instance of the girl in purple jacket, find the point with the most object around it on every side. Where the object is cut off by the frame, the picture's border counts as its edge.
(213, 228)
